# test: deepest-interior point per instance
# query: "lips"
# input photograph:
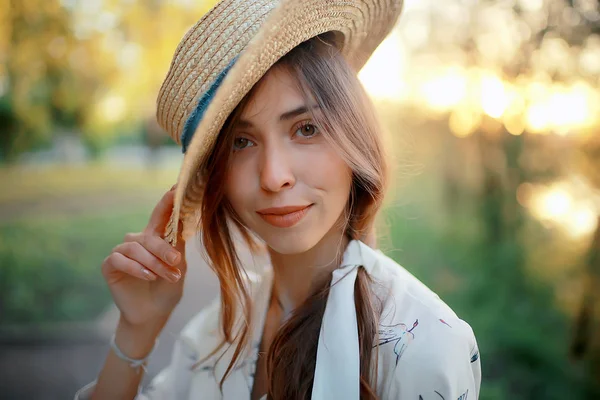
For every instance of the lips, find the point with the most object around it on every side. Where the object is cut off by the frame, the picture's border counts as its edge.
(284, 217)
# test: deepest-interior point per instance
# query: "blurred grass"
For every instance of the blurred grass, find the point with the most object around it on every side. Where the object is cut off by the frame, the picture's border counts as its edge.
(57, 224)
(51, 268)
(37, 183)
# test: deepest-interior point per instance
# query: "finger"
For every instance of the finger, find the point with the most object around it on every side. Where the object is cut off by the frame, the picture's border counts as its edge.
(160, 248)
(161, 213)
(118, 262)
(131, 237)
(138, 253)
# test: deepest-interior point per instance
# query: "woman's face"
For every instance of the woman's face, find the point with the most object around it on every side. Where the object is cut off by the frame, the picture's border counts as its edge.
(285, 181)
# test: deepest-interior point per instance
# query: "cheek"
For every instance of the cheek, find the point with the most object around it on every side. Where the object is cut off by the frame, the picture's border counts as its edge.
(328, 171)
(236, 188)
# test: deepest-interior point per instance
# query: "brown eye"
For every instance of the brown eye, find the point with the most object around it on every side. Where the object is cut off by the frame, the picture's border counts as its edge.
(240, 143)
(307, 130)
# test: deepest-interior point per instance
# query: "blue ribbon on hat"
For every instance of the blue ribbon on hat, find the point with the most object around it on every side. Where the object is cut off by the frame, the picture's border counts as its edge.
(196, 116)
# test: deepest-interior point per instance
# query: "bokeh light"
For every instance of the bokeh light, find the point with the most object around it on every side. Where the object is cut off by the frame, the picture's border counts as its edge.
(383, 75)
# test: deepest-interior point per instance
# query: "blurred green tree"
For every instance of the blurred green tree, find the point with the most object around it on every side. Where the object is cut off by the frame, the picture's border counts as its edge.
(555, 42)
(91, 69)
(47, 87)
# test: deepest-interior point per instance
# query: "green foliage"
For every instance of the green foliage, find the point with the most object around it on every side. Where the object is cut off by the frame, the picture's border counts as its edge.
(522, 335)
(50, 269)
(8, 122)
(91, 69)
(44, 93)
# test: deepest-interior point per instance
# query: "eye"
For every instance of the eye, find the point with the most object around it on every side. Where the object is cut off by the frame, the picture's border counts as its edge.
(240, 143)
(307, 130)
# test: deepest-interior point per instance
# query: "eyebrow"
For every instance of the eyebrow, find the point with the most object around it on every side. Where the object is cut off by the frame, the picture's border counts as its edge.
(242, 123)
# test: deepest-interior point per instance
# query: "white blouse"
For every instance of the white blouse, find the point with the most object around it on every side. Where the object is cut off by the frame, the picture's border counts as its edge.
(425, 350)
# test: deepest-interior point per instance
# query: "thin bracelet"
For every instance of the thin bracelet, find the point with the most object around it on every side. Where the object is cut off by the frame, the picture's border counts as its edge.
(133, 362)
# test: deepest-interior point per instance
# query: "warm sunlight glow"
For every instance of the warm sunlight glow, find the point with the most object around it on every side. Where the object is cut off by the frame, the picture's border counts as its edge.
(581, 222)
(494, 96)
(566, 205)
(112, 108)
(561, 109)
(568, 108)
(514, 124)
(537, 118)
(464, 121)
(446, 90)
(554, 204)
(532, 104)
(383, 75)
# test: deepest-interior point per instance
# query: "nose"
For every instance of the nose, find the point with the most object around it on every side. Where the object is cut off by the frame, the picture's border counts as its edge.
(276, 172)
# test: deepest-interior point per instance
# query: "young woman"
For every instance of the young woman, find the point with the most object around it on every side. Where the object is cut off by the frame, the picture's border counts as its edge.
(285, 149)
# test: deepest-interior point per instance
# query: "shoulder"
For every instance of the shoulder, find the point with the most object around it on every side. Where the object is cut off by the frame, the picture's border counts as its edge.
(400, 291)
(422, 343)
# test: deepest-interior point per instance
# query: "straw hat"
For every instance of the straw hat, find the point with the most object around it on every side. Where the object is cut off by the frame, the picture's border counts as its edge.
(224, 54)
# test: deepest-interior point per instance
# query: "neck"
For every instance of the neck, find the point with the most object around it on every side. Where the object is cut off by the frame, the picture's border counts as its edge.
(297, 276)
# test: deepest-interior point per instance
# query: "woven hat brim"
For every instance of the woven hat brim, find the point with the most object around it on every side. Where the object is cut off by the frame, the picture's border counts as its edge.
(360, 27)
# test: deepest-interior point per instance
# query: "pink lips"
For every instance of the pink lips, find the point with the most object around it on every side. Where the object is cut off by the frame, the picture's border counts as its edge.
(284, 217)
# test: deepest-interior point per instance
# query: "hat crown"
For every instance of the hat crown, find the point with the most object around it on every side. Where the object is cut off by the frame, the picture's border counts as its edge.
(207, 49)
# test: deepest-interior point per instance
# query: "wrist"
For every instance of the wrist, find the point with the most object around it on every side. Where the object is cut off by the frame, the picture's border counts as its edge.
(136, 341)
(135, 363)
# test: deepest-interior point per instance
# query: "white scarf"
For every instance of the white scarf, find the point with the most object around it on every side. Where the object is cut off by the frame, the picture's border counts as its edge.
(337, 371)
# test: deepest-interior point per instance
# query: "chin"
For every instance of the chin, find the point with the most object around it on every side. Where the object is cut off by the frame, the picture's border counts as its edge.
(290, 242)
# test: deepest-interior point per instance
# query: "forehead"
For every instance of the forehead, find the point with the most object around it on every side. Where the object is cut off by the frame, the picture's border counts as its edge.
(277, 91)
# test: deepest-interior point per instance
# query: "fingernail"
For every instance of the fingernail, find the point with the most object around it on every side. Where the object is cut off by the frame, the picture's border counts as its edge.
(172, 257)
(174, 276)
(148, 275)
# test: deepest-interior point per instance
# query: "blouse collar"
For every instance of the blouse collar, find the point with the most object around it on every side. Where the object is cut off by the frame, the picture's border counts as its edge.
(337, 370)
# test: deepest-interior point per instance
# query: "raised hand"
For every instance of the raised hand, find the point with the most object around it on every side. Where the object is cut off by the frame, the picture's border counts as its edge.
(145, 274)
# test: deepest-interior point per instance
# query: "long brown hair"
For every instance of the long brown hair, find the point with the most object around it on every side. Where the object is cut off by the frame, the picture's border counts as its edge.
(348, 121)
